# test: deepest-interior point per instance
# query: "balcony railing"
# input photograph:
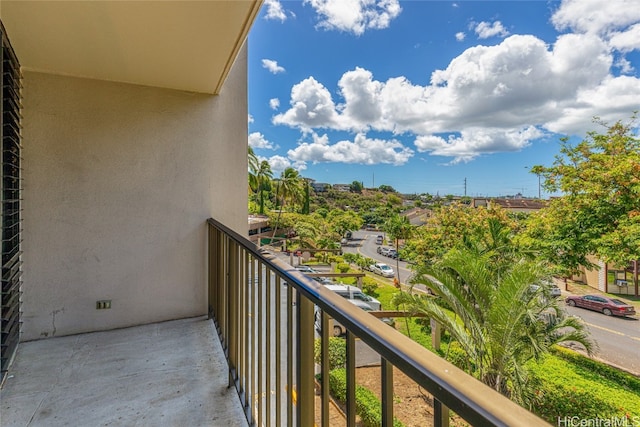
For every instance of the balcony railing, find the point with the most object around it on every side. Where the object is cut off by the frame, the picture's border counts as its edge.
(264, 311)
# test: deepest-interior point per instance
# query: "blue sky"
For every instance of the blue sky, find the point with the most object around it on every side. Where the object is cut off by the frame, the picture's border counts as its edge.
(423, 95)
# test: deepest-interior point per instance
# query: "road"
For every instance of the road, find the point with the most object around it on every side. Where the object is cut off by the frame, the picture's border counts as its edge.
(618, 339)
(363, 242)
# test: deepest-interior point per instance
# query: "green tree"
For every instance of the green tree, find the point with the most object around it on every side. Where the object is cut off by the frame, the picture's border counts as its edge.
(498, 319)
(288, 192)
(343, 221)
(599, 212)
(356, 187)
(449, 226)
(398, 228)
(262, 180)
(387, 189)
(253, 167)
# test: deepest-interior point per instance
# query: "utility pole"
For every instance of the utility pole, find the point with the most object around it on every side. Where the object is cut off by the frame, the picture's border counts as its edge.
(373, 180)
(465, 187)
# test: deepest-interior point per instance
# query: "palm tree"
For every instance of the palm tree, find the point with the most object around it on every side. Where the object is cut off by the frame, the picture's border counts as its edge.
(253, 168)
(291, 187)
(499, 320)
(398, 228)
(264, 176)
(288, 189)
(260, 176)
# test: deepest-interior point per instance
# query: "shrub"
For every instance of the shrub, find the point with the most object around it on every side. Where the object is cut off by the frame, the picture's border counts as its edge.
(367, 404)
(622, 378)
(457, 356)
(350, 257)
(337, 352)
(566, 389)
(370, 287)
(343, 267)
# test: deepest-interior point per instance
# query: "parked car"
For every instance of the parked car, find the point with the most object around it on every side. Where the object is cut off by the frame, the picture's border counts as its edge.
(383, 250)
(549, 288)
(392, 253)
(323, 280)
(605, 305)
(337, 328)
(306, 269)
(379, 239)
(382, 269)
(354, 293)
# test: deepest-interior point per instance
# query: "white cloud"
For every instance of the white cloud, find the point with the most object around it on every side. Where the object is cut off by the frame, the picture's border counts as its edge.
(355, 16)
(361, 150)
(275, 10)
(361, 95)
(488, 99)
(596, 16)
(473, 142)
(274, 103)
(624, 65)
(626, 40)
(519, 84)
(280, 163)
(257, 140)
(249, 118)
(460, 36)
(311, 107)
(484, 30)
(272, 66)
(612, 100)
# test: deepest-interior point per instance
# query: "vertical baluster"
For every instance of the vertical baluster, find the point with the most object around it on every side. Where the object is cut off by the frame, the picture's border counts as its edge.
(290, 345)
(263, 272)
(386, 389)
(304, 379)
(278, 342)
(267, 368)
(351, 379)
(324, 368)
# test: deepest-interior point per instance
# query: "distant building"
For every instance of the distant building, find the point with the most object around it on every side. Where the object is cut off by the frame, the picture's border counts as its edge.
(512, 205)
(342, 187)
(320, 187)
(610, 278)
(417, 216)
(259, 227)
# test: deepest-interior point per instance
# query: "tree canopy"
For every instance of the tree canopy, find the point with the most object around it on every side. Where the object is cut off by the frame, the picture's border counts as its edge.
(599, 211)
(498, 319)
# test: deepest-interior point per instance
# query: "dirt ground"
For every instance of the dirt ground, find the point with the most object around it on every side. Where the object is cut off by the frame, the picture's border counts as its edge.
(412, 405)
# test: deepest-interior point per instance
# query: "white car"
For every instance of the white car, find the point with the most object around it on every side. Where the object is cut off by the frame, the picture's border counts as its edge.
(354, 293)
(337, 328)
(305, 268)
(383, 269)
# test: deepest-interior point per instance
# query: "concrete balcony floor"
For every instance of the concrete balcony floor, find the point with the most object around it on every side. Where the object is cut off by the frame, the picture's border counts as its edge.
(163, 374)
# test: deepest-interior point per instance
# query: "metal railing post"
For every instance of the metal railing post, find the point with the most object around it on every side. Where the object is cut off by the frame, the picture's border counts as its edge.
(440, 414)
(305, 378)
(386, 390)
(351, 379)
(232, 286)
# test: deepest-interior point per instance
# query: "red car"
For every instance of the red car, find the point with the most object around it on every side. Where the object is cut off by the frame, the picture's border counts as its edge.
(605, 305)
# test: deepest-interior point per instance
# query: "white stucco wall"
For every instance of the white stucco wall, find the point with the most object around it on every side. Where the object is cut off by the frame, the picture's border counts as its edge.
(118, 183)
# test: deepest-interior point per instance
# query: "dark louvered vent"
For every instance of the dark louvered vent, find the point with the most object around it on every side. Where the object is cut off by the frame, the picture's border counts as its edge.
(11, 202)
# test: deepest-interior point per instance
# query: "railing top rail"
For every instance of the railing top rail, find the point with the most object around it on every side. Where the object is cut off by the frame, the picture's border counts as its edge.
(471, 399)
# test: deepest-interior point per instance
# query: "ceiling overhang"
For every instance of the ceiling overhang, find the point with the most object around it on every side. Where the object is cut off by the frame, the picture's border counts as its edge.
(179, 44)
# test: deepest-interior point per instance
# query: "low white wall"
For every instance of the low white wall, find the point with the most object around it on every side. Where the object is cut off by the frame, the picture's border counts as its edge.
(118, 183)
